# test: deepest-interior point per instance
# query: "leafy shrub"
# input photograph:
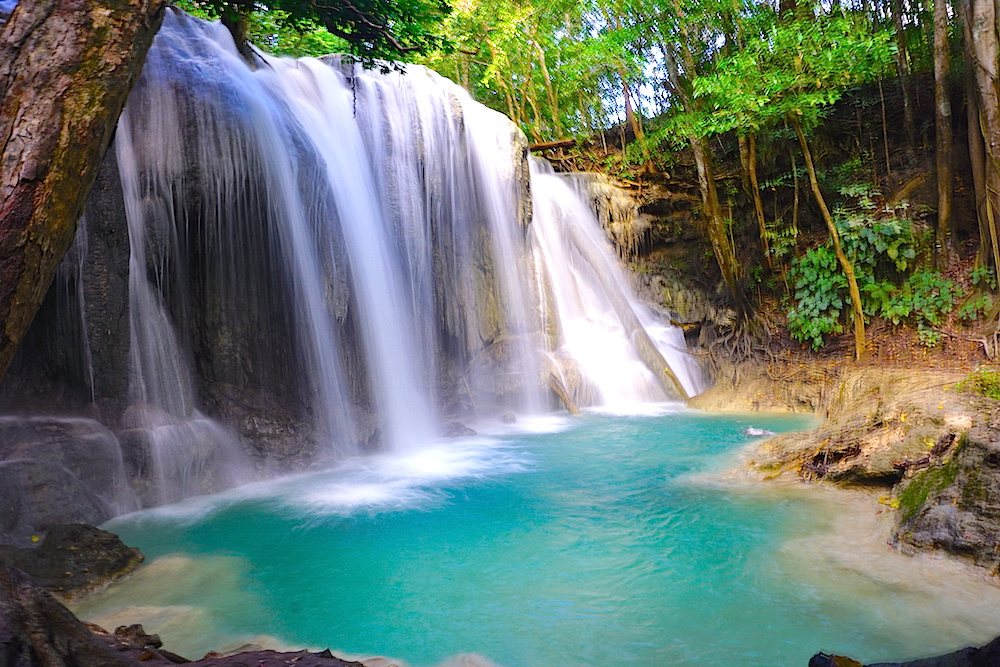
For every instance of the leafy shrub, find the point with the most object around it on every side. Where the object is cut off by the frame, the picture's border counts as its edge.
(983, 274)
(975, 308)
(882, 250)
(820, 296)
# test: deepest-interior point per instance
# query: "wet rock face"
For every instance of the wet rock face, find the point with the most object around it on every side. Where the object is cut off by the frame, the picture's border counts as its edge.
(50, 371)
(986, 656)
(74, 558)
(955, 505)
(56, 471)
(83, 446)
(33, 494)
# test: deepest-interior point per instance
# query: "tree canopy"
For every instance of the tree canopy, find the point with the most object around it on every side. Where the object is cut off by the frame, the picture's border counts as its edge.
(371, 30)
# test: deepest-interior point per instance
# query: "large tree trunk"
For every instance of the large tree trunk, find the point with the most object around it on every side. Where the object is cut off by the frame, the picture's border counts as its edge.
(942, 132)
(984, 52)
(845, 264)
(66, 68)
(977, 149)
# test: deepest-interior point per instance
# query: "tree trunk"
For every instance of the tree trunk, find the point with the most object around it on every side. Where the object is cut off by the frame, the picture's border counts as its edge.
(984, 53)
(977, 149)
(795, 200)
(903, 70)
(529, 95)
(550, 90)
(725, 255)
(721, 245)
(942, 133)
(845, 264)
(748, 155)
(66, 68)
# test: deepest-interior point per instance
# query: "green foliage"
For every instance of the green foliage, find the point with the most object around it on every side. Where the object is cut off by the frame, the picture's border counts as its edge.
(882, 249)
(783, 240)
(974, 308)
(925, 297)
(538, 62)
(273, 33)
(984, 274)
(791, 68)
(373, 31)
(820, 296)
(983, 381)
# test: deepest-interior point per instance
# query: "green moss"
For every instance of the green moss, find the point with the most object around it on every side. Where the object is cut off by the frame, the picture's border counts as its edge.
(974, 490)
(924, 484)
(983, 381)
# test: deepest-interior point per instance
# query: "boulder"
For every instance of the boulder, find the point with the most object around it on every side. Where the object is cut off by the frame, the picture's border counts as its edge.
(36, 630)
(881, 424)
(457, 430)
(36, 493)
(986, 656)
(954, 504)
(58, 470)
(74, 558)
(84, 447)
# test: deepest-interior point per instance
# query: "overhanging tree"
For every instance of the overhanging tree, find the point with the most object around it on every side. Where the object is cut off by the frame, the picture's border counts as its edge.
(66, 68)
(374, 31)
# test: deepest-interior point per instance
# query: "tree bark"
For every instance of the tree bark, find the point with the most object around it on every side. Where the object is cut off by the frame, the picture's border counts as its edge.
(550, 90)
(712, 208)
(977, 149)
(942, 132)
(984, 53)
(748, 158)
(725, 255)
(845, 263)
(66, 68)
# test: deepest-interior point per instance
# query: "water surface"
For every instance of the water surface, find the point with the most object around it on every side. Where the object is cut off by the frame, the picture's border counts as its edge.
(600, 540)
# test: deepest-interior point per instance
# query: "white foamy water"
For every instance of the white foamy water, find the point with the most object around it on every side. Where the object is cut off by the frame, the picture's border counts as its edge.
(618, 343)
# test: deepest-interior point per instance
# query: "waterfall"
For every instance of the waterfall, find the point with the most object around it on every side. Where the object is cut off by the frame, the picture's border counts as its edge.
(339, 244)
(326, 261)
(617, 344)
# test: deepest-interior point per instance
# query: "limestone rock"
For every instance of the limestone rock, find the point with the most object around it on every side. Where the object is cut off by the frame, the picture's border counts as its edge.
(35, 493)
(954, 505)
(457, 430)
(880, 426)
(57, 471)
(987, 656)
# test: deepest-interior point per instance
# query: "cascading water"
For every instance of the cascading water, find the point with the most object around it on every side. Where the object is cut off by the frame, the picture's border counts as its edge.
(330, 260)
(614, 339)
(327, 236)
